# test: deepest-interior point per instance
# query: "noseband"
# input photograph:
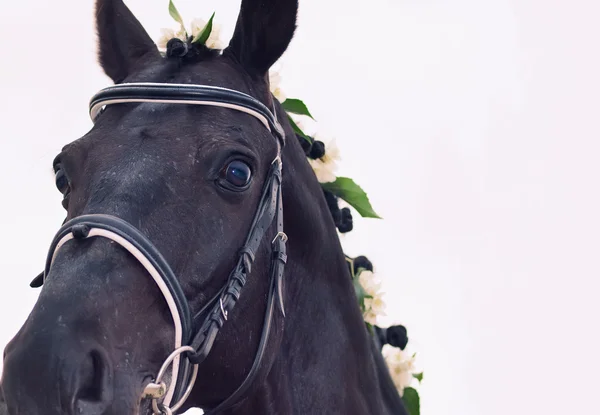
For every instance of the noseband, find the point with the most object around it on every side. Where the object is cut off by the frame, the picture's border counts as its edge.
(194, 335)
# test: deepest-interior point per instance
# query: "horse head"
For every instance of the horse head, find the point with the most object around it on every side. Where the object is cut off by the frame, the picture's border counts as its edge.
(164, 289)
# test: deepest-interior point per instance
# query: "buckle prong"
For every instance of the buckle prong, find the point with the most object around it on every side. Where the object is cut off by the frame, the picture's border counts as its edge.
(223, 308)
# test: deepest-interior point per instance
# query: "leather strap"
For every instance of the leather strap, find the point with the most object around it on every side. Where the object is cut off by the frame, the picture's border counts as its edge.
(84, 223)
(144, 251)
(270, 204)
(278, 261)
(186, 94)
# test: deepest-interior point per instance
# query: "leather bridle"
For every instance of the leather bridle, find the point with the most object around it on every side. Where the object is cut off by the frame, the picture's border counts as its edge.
(194, 335)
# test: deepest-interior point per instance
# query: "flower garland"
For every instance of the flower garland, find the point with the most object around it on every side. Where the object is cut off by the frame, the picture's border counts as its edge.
(213, 41)
(323, 156)
(202, 33)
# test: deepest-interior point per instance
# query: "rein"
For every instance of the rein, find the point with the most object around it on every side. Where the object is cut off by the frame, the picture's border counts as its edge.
(194, 335)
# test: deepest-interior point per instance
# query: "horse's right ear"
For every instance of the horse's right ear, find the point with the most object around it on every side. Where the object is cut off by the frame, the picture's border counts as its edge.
(263, 32)
(124, 44)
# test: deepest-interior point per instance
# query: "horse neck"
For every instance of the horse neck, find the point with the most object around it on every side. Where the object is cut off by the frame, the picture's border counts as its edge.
(325, 362)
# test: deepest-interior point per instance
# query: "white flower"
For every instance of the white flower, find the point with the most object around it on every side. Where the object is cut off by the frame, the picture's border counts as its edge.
(332, 151)
(214, 39)
(369, 282)
(377, 304)
(168, 34)
(374, 306)
(400, 365)
(165, 36)
(370, 318)
(369, 315)
(326, 166)
(323, 171)
(275, 86)
(197, 26)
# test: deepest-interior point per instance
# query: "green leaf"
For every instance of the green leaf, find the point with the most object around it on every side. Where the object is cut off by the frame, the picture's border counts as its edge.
(203, 36)
(175, 14)
(296, 106)
(352, 193)
(297, 130)
(418, 376)
(411, 400)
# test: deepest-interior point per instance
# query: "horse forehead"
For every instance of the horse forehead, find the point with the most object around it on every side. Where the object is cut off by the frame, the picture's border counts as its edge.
(218, 71)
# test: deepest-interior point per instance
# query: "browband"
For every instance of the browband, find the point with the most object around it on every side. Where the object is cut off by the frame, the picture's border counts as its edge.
(186, 94)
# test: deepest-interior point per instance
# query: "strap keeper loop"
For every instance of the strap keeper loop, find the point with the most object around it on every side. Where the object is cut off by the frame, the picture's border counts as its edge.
(80, 230)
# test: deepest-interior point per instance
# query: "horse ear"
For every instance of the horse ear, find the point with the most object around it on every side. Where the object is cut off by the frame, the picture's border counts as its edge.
(123, 43)
(263, 32)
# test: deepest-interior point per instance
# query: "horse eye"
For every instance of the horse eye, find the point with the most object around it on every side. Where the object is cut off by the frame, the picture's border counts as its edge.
(238, 173)
(62, 183)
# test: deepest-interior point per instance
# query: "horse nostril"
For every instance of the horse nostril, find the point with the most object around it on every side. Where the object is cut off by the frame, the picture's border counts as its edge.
(92, 373)
(93, 389)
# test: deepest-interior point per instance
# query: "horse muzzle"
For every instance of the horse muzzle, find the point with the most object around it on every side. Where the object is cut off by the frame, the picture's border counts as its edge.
(65, 373)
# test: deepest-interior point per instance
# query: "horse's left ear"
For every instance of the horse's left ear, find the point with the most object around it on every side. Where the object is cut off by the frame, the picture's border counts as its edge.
(124, 45)
(263, 32)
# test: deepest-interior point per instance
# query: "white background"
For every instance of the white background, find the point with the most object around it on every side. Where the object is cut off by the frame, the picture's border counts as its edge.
(473, 125)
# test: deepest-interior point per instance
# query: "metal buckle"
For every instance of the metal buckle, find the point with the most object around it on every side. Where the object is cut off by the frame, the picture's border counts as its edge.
(283, 236)
(155, 390)
(277, 160)
(160, 409)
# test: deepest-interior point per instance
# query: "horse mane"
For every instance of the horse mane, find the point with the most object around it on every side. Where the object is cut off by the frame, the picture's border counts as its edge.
(391, 397)
(377, 338)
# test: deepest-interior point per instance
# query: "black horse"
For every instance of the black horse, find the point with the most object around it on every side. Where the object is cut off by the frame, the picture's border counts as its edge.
(200, 182)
